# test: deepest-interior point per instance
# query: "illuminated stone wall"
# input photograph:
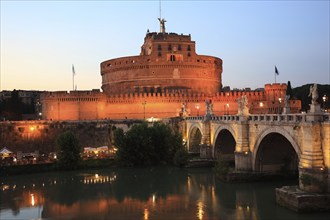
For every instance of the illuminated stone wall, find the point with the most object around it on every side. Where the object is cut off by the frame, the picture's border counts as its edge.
(29, 136)
(95, 105)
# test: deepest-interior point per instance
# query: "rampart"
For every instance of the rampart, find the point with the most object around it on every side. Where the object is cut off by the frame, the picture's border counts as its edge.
(91, 105)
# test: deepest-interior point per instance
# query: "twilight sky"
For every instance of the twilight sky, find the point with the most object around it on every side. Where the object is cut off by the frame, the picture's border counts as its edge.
(40, 40)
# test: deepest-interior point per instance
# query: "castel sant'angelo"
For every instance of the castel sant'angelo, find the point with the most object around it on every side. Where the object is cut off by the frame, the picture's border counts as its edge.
(168, 79)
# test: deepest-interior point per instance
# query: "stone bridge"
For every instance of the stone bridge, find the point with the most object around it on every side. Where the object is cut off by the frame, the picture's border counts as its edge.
(265, 143)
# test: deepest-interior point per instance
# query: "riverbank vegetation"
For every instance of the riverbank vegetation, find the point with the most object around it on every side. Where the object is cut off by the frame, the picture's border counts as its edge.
(52, 167)
(145, 145)
(142, 145)
(69, 150)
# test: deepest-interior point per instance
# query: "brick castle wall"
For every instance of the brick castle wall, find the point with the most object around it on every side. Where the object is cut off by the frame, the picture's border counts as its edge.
(95, 105)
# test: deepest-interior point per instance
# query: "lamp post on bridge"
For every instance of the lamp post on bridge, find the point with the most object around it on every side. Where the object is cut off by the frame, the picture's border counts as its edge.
(325, 99)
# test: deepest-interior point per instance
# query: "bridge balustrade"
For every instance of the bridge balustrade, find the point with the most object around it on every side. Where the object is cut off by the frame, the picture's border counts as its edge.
(326, 117)
(301, 117)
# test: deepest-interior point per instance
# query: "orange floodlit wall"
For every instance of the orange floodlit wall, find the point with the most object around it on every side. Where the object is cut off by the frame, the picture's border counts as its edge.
(91, 105)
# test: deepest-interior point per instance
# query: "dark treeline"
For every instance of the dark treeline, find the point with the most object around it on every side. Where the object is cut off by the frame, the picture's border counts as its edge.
(12, 109)
(145, 145)
(302, 92)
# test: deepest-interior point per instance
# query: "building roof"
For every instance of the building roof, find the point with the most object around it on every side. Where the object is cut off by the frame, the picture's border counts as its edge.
(5, 151)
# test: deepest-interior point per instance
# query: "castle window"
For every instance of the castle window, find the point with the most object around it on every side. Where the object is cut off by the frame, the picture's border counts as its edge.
(189, 54)
(159, 47)
(159, 54)
(169, 47)
(188, 48)
(179, 47)
(172, 58)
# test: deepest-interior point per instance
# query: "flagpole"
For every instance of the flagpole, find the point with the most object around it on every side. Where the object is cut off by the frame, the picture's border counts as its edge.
(276, 72)
(73, 73)
(275, 77)
(72, 81)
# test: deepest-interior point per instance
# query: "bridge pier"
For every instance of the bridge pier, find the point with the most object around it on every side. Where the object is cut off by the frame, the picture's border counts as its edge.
(312, 171)
(243, 161)
(243, 156)
(312, 194)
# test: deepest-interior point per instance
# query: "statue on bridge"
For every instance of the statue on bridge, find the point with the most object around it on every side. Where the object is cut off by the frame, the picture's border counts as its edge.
(184, 111)
(286, 101)
(286, 109)
(209, 107)
(315, 106)
(314, 93)
(243, 106)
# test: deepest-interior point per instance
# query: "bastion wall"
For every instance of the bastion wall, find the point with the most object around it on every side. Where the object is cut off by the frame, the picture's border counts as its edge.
(96, 105)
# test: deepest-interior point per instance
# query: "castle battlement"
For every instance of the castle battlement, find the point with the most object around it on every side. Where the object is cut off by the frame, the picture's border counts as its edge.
(167, 36)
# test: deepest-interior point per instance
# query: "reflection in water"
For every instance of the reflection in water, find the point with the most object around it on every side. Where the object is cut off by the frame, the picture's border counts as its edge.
(200, 211)
(146, 214)
(157, 193)
(32, 199)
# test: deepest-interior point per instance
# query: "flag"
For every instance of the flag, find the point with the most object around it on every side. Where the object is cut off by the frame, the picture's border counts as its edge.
(73, 72)
(276, 71)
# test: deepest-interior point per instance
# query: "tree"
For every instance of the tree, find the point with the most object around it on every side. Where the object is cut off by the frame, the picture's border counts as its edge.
(143, 145)
(69, 150)
(181, 157)
(302, 93)
(289, 90)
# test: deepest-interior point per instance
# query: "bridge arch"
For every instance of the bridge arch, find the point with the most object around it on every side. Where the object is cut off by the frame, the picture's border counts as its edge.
(224, 143)
(279, 145)
(194, 138)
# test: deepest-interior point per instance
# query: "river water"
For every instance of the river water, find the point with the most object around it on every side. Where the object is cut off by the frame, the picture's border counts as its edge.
(140, 193)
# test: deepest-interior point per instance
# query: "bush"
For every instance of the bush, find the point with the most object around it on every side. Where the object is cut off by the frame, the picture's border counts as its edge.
(221, 168)
(143, 145)
(181, 157)
(69, 150)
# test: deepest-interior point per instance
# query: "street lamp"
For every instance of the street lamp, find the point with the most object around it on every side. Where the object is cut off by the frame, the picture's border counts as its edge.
(261, 104)
(144, 109)
(197, 107)
(325, 99)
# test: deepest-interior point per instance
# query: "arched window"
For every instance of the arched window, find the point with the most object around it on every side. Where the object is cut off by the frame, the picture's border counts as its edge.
(172, 58)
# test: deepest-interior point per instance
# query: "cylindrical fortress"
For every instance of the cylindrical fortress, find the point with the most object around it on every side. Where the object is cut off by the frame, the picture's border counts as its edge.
(168, 61)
